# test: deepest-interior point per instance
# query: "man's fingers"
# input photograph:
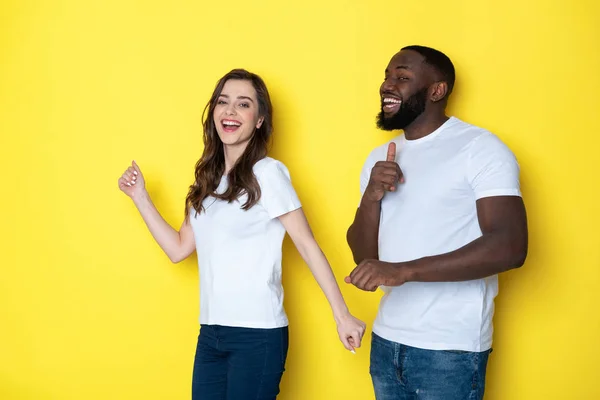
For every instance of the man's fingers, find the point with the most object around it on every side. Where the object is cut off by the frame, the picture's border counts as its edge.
(385, 164)
(369, 284)
(357, 276)
(385, 172)
(389, 179)
(362, 278)
(354, 272)
(388, 169)
(391, 153)
(400, 174)
(362, 281)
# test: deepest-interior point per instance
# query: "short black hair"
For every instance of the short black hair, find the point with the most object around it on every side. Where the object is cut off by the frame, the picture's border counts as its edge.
(437, 60)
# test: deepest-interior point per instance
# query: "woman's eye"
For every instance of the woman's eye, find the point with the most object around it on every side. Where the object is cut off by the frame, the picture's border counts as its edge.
(221, 102)
(245, 105)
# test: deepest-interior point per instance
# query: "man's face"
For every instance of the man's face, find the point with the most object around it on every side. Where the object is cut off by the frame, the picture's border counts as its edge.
(404, 92)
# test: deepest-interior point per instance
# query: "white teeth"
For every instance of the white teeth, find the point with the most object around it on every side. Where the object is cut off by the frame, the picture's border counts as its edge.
(231, 123)
(391, 100)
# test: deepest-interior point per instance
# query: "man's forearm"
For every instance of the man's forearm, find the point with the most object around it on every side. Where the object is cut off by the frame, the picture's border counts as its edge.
(488, 255)
(363, 233)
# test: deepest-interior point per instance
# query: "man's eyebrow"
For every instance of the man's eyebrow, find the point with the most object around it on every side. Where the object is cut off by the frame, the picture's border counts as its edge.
(387, 71)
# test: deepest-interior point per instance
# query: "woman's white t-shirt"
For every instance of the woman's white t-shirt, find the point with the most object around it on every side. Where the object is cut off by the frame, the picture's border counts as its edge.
(239, 252)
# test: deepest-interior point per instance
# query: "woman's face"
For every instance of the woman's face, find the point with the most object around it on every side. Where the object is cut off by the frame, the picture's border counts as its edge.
(236, 113)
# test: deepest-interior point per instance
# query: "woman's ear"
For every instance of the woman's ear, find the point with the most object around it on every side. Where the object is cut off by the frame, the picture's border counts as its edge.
(260, 122)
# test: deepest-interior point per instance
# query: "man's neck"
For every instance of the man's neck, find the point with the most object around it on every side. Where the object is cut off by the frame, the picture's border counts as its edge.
(424, 125)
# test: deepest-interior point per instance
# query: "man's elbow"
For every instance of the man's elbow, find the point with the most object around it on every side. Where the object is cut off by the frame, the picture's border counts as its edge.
(360, 250)
(349, 236)
(520, 259)
(349, 242)
(518, 256)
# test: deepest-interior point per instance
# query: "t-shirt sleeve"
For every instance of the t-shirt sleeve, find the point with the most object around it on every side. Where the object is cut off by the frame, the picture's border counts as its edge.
(492, 168)
(370, 162)
(278, 196)
(365, 174)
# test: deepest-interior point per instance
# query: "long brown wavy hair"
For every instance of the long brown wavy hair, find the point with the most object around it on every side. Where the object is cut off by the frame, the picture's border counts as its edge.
(211, 166)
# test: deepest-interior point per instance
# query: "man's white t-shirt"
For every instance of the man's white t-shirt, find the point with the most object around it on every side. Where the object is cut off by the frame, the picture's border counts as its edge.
(239, 252)
(434, 212)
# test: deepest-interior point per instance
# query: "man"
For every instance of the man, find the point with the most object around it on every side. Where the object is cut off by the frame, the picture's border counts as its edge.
(441, 216)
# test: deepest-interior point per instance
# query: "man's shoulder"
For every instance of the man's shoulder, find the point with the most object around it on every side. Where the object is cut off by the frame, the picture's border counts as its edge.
(465, 130)
(475, 138)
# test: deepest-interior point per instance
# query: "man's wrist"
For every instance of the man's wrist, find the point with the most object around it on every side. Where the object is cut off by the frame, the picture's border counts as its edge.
(407, 272)
(368, 201)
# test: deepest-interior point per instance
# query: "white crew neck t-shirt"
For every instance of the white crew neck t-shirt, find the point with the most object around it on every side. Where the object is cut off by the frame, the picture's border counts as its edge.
(434, 212)
(239, 252)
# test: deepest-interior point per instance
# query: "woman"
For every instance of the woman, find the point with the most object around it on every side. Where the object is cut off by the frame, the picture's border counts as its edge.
(237, 213)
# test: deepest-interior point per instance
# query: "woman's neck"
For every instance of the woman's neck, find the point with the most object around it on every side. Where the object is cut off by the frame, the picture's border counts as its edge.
(232, 155)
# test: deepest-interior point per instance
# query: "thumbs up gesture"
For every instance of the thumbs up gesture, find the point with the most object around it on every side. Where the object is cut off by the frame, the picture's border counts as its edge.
(385, 176)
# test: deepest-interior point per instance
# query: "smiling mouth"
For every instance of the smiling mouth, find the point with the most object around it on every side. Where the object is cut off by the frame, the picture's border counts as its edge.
(390, 104)
(230, 125)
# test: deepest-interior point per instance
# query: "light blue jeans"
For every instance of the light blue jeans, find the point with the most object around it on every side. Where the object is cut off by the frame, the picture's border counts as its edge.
(402, 372)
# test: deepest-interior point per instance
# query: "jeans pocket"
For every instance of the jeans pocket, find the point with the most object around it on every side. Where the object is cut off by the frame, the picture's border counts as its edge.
(382, 357)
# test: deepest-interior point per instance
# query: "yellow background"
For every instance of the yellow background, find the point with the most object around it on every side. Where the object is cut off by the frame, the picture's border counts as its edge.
(90, 308)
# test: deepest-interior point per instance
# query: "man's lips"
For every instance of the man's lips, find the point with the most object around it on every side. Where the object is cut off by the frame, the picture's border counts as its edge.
(390, 104)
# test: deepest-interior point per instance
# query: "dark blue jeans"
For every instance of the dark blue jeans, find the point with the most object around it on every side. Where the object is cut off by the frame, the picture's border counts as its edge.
(239, 363)
(402, 372)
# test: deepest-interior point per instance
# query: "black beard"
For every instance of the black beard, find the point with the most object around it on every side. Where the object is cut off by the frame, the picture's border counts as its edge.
(408, 112)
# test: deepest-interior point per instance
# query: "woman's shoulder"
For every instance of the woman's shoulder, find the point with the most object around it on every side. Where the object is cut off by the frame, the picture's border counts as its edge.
(268, 165)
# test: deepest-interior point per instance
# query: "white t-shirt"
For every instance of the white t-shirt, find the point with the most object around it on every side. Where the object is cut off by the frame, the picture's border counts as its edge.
(434, 212)
(239, 252)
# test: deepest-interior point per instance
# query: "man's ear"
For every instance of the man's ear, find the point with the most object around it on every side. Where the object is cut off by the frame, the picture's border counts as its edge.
(440, 89)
